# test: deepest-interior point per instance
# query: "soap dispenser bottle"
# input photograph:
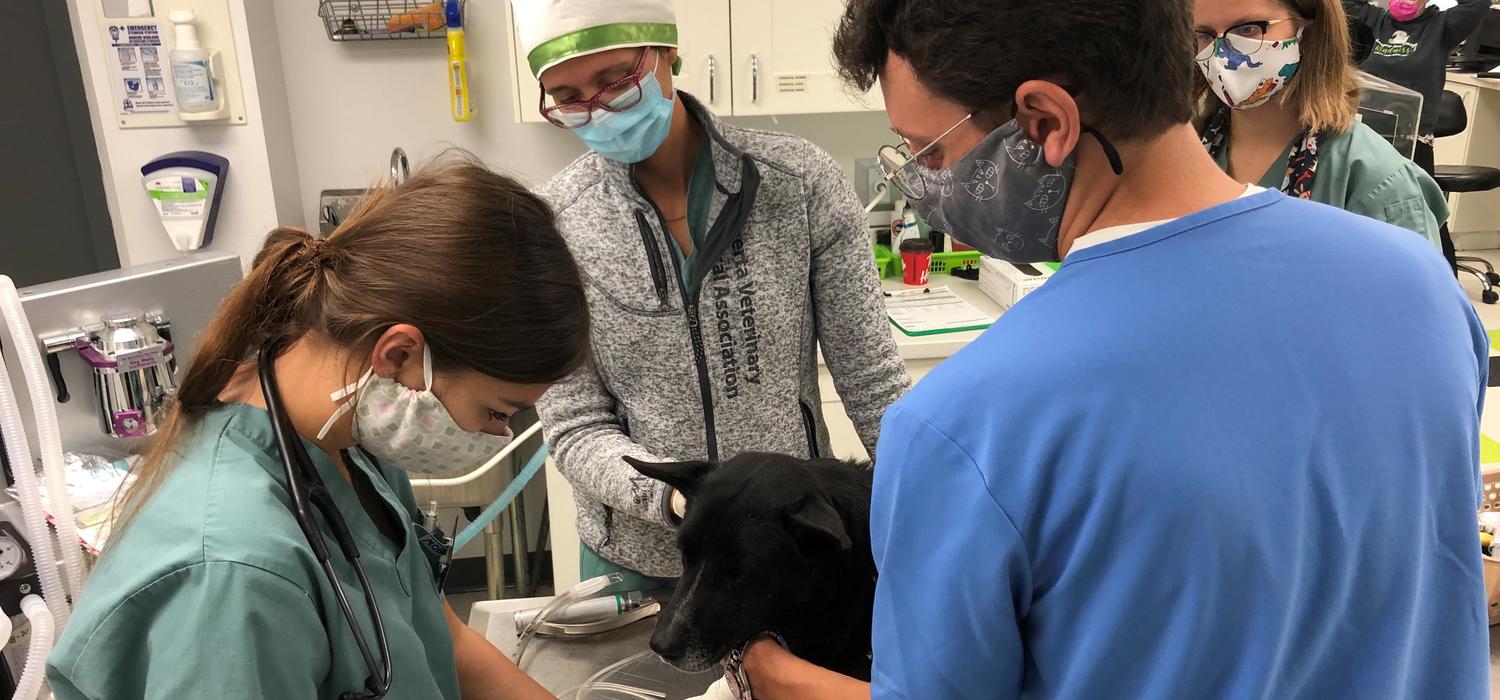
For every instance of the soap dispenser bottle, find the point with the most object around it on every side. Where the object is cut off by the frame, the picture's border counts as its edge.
(193, 71)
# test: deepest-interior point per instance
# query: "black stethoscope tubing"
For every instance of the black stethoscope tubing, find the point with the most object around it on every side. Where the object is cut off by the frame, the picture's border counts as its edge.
(308, 491)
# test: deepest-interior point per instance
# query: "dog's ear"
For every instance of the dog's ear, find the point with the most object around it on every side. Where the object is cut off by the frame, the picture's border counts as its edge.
(815, 518)
(683, 476)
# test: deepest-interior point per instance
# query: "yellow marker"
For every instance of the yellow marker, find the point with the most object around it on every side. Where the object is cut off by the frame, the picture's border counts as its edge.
(460, 99)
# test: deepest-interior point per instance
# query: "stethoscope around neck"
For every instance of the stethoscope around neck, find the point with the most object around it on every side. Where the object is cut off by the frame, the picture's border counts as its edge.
(308, 492)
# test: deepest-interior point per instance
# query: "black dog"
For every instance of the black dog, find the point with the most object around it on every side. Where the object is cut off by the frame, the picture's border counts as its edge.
(770, 543)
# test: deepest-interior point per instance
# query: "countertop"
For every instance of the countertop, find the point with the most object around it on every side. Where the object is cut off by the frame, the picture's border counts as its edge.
(1468, 78)
(943, 345)
(561, 665)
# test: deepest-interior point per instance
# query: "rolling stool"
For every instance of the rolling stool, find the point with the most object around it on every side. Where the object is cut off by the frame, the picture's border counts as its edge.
(1453, 119)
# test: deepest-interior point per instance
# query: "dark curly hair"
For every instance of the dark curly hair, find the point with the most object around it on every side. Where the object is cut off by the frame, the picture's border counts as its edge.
(1129, 62)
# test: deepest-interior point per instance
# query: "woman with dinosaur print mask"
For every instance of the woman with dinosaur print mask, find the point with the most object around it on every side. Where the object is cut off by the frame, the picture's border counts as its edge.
(1278, 108)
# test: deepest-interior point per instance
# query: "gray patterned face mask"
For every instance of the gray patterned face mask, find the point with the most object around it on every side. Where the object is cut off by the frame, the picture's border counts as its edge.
(1003, 198)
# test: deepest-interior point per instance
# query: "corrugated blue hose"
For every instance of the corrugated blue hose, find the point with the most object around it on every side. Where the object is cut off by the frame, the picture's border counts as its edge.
(509, 494)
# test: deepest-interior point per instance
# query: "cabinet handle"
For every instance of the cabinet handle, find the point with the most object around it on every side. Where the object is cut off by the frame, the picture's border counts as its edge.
(754, 78)
(712, 69)
(400, 166)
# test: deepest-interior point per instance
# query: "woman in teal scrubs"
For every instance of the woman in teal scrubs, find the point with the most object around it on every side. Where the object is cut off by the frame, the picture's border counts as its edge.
(1280, 99)
(449, 303)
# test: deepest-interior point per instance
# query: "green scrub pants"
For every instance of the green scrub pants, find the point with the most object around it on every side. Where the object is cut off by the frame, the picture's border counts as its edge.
(590, 564)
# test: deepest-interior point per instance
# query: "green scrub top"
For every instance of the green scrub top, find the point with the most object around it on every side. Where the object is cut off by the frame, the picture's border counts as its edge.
(700, 197)
(1360, 172)
(214, 592)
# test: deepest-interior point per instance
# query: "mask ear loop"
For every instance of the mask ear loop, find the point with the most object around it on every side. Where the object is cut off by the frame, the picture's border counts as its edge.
(426, 367)
(349, 398)
(1109, 150)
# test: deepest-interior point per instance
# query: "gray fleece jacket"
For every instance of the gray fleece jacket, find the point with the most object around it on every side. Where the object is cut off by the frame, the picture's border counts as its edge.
(733, 368)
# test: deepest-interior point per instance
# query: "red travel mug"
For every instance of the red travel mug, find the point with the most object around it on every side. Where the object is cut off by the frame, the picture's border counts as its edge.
(916, 261)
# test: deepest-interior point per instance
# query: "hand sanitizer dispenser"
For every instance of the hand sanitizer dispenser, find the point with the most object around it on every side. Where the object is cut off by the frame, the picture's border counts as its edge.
(186, 187)
(194, 71)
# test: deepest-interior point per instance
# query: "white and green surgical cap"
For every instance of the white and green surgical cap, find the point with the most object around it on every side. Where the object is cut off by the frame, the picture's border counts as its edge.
(553, 31)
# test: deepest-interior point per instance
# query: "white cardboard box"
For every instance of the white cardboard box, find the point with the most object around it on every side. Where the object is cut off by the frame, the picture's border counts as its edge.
(1007, 282)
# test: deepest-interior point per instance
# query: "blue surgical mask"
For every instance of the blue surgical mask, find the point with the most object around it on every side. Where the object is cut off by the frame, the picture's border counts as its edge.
(633, 135)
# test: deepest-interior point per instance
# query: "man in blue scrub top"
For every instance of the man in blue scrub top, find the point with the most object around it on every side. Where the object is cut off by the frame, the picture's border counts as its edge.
(1205, 460)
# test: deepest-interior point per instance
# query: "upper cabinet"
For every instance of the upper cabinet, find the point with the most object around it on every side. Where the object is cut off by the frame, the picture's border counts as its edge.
(741, 57)
(783, 59)
(705, 49)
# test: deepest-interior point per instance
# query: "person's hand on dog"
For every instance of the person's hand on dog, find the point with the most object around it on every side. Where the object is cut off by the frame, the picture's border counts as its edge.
(777, 674)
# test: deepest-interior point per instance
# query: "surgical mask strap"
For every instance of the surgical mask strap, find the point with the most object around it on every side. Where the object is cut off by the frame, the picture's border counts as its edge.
(426, 367)
(347, 395)
(1109, 150)
(1110, 153)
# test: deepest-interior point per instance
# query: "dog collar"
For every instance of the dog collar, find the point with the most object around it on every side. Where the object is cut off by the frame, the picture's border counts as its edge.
(734, 667)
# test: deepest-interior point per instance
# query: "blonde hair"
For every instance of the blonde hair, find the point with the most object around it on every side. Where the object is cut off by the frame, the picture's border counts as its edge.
(1324, 93)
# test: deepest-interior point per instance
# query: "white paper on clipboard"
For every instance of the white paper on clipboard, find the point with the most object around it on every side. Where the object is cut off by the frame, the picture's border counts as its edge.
(933, 310)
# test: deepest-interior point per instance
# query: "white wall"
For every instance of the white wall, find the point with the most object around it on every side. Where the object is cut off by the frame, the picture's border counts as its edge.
(261, 190)
(352, 102)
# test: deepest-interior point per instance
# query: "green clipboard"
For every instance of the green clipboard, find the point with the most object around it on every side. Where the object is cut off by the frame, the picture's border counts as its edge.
(940, 331)
(915, 294)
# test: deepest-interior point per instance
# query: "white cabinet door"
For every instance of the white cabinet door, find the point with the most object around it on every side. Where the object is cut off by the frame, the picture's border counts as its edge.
(1454, 150)
(783, 59)
(703, 39)
(1473, 212)
(703, 33)
(524, 89)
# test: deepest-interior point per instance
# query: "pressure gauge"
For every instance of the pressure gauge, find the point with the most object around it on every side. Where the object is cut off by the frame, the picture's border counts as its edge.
(12, 556)
(13, 559)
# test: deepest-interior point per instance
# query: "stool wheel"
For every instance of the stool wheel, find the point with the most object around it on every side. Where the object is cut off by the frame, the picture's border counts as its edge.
(1490, 296)
(1493, 278)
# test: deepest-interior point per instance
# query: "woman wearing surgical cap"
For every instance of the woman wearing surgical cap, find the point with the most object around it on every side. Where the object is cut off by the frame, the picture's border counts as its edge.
(1278, 104)
(720, 260)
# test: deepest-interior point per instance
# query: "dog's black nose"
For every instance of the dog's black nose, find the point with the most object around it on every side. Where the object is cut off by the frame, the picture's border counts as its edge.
(668, 647)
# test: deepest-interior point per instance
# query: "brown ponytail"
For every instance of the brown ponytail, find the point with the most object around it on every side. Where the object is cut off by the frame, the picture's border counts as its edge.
(469, 256)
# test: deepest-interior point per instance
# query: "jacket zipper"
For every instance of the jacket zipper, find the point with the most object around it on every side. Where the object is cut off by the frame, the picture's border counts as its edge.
(653, 257)
(609, 527)
(695, 329)
(811, 427)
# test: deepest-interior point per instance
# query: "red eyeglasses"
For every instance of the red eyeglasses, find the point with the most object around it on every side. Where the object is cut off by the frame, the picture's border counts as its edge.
(615, 97)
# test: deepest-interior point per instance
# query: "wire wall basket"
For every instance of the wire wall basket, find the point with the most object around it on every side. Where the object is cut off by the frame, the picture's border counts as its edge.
(372, 20)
